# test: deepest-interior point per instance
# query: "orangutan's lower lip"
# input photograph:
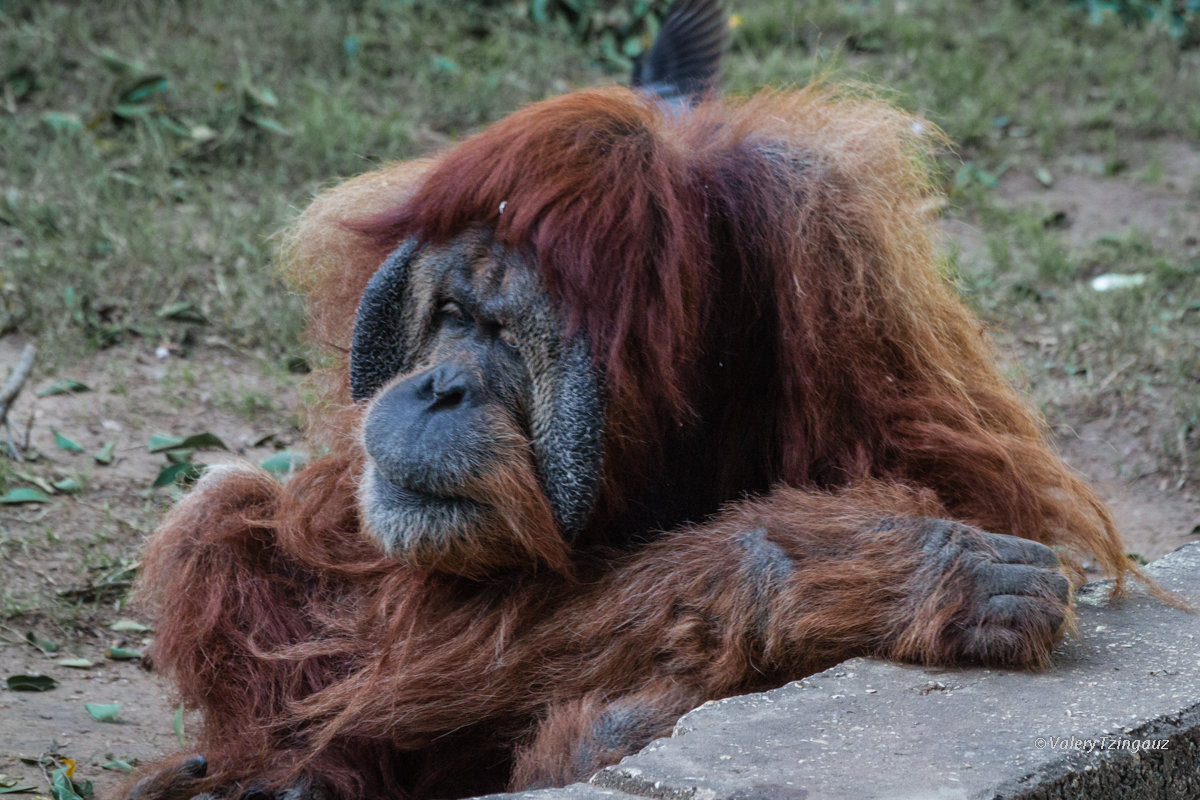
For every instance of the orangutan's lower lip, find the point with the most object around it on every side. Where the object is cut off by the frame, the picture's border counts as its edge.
(406, 497)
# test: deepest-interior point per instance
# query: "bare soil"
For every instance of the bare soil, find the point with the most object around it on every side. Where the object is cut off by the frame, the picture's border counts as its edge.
(79, 540)
(1118, 447)
(1164, 211)
(76, 540)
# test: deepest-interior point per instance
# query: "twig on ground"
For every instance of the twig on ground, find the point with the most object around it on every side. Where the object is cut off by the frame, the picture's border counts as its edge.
(12, 388)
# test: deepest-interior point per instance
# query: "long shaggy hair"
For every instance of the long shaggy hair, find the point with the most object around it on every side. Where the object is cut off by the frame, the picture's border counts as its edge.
(764, 268)
(758, 282)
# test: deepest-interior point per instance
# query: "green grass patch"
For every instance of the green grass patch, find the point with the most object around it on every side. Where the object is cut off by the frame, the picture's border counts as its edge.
(150, 151)
(1000, 78)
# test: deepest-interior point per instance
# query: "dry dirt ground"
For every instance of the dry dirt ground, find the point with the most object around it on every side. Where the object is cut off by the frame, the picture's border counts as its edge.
(77, 540)
(80, 540)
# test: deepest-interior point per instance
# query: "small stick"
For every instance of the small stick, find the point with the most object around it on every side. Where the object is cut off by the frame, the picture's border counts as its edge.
(12, 387)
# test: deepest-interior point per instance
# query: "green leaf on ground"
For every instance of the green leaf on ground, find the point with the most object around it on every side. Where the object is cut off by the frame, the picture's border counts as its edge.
(181, 472)
(180, 456)
(177, 725)
(118, 64)
(64, 443)
(105, 454)
(37, 481)
(75, 663)
(285, 462)
(61, 785)
(143, 88)
(45, 645)
(67, 386)
(121, 654)
(128, 626)
(199, 441)
(267, 124)
(183, 311)
(23, 494)
(260, 96)
(131, 110)
(67, 485)
(103, 712)
(16, 786)
(31, 683)
(62, 121)
(202, 133)
(161, 441)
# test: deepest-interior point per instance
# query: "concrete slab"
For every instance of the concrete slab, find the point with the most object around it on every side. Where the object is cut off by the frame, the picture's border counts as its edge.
(1116, 716)
(576, 791)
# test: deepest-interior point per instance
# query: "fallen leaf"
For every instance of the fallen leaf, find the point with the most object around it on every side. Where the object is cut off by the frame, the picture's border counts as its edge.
(198, 441)
(103, 712)
(202, 133)
(161, 441)
(183, 311)
(29, 477)
(16, 788)
(45, 645)
(181, 472)
(267, 124)
(31, 683)
(142, 89)
(62, 121)
(10, 784)
(67, 386)
(285, 462)
(105, 454)
(61, 785)
(67, 485)
(122, 654)
(23, 495)
(128, 626)
(75, 663)
(64, 443)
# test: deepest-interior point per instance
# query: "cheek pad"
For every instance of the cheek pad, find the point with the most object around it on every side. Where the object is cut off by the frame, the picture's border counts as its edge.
(380, 349)
(569, 441)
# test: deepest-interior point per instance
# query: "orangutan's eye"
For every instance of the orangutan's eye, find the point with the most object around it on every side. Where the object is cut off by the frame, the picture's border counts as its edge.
(451, 311)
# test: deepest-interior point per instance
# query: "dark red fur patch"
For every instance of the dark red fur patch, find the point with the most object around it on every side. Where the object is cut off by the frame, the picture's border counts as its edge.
(611, 210)
(760, 270)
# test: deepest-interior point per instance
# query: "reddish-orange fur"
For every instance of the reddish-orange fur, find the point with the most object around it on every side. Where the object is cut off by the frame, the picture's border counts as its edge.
(759, 285)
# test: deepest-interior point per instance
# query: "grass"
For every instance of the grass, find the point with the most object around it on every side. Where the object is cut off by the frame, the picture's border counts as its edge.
(150, 150)
(1004, 79)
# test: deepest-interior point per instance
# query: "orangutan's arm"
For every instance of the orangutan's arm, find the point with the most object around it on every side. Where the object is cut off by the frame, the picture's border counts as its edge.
(796, 581)
(775, 589)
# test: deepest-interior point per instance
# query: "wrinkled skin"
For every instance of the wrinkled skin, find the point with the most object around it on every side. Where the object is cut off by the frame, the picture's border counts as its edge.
(488, 377)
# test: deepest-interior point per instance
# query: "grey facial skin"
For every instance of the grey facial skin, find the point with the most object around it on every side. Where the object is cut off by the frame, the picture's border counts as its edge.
(461, 356)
